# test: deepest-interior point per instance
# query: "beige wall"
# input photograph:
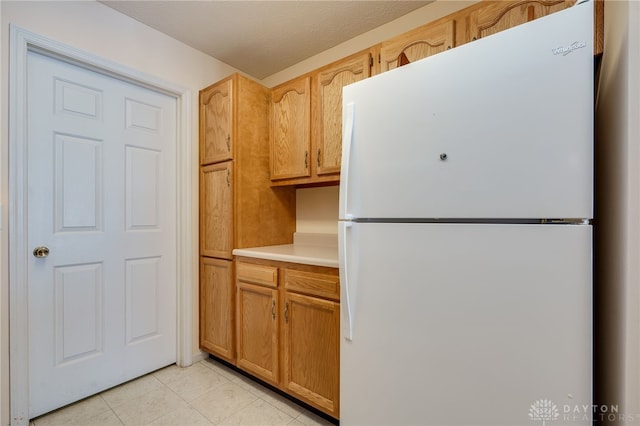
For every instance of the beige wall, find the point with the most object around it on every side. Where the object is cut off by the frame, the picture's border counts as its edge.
(317, 210)
(617, 218)
(95, 28)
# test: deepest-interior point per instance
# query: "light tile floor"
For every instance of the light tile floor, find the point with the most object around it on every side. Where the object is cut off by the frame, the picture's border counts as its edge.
(207, 393)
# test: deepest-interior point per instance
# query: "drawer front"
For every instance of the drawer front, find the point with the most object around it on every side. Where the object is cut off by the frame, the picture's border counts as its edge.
(257, 274)
(323, 285)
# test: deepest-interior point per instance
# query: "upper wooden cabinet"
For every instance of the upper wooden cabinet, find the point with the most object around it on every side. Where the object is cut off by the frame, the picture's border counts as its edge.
(489, 17)
(495, 16)
(216, 125)
(291, 129)
(306, 123)
(306, 112)
(417, 44)
(327, 112)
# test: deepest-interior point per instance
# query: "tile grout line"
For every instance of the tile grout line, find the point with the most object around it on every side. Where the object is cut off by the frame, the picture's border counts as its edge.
(112, 410)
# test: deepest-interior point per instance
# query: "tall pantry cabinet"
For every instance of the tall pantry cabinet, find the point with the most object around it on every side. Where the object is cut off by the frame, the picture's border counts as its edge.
(238, 206)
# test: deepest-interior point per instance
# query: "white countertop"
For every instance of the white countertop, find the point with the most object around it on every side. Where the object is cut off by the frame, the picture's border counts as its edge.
(309, 249)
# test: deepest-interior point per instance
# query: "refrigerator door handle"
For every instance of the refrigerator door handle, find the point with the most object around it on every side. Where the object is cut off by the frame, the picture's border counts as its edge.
(345, 296)
(347, 137)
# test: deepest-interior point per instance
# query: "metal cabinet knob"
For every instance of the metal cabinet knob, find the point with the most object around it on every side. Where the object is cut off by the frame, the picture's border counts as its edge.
(41, 252)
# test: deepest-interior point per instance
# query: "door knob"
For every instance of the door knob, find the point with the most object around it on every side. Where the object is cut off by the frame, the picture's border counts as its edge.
(41, 251)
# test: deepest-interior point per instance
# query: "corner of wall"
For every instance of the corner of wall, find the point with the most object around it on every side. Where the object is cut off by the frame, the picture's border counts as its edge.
(617, 227)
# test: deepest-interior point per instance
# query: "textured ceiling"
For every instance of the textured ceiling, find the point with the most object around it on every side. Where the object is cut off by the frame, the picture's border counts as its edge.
(262, 38)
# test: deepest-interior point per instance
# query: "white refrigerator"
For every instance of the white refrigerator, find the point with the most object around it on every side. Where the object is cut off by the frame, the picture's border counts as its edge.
(465, 235)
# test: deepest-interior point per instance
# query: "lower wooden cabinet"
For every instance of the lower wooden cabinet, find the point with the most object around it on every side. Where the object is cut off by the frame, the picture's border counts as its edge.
(288, 328)
(310, 351)
(257, 326)
(217, 307)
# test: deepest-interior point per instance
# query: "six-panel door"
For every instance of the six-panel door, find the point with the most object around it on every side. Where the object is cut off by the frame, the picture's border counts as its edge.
(102, 197)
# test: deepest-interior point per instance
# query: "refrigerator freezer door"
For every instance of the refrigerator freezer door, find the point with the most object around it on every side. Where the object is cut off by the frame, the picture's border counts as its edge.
(501, 127)
(465, 324)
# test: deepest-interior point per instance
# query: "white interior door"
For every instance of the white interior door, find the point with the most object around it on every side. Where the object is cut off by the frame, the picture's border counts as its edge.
(102, 199)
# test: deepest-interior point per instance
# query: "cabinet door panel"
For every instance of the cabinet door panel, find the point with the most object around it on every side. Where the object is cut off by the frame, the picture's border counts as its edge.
(311, 350)
(417, 44)
(216, 210)
(500, 15)
(328, 123)
(216, 307)
(216, 106)
(290, 130)
(257, 332)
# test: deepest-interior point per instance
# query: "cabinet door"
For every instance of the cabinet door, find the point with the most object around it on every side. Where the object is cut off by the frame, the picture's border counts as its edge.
(417, 44)
(311, 351)
(290, 130)
(328, 101)
(257, 332)
(497, 16)
(216, 210)
(216, 107)
(216, 307)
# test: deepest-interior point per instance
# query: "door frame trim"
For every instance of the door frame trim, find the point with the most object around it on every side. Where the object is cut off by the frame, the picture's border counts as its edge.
(23, 41)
